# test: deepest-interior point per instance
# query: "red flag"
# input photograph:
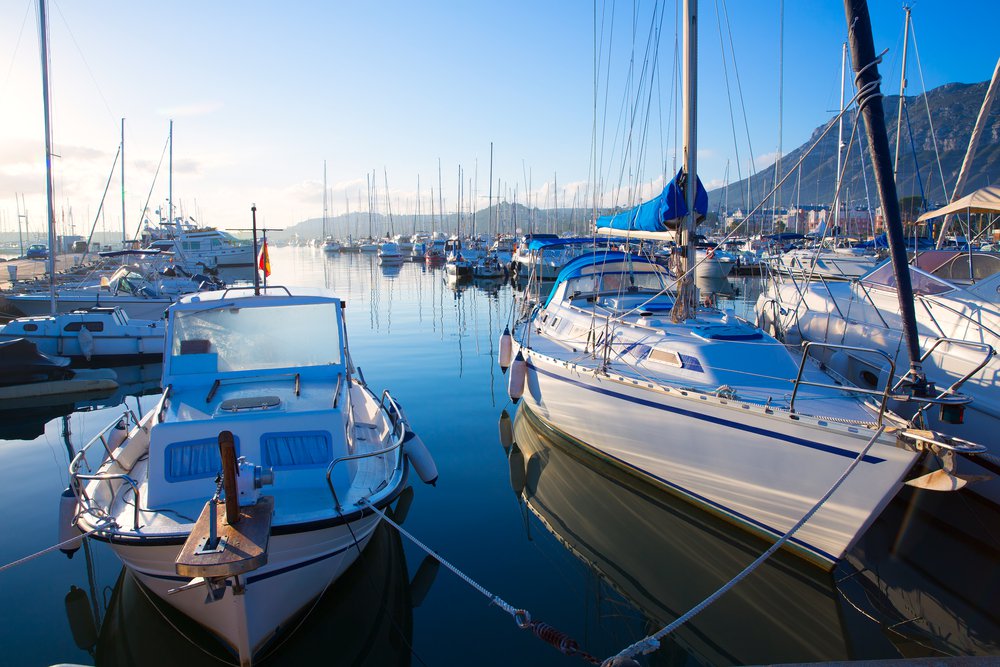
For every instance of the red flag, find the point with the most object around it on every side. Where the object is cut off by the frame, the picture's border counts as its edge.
(263, 260)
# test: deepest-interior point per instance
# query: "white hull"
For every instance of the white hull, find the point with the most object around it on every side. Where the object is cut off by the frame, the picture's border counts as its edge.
(762, 471)
(300, 567)
(138, 308)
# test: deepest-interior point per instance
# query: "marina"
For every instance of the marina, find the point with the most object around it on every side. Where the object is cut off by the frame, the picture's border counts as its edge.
(664, 414)
(526, 533)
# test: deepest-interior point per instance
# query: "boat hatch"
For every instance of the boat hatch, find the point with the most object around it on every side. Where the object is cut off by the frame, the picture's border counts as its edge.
(725, 332)
(250, 403)
(668, 357)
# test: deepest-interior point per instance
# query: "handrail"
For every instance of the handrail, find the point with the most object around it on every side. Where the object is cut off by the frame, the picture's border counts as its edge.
(80, 457)
(250, 287)
(986, 347)
(398, 423)
(79, 461)
(869, 392)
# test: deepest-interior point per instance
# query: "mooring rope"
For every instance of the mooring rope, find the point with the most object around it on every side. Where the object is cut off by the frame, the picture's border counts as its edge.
(61, 545)
(652, 642)
(556, 638)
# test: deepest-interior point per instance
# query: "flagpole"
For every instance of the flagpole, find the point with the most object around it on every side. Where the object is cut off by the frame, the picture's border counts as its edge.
(256, 275)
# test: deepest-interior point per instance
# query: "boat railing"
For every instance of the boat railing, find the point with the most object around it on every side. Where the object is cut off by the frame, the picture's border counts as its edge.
(988, 353)
(244, 288)
(79, 464)
(397, 423)
(883, 394)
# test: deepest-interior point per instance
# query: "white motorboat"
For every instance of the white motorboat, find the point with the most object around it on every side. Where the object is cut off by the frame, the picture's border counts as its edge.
(487, 267)
(98, 335)
(389, 253)
(823, 263)
(332, 245)
(269, 376)
(142, 297)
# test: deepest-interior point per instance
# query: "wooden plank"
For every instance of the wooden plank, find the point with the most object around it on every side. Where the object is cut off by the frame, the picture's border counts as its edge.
(245, 542)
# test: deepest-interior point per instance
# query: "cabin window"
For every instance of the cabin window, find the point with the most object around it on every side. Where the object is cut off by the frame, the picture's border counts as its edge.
(296, 450)
(90, 326)
(261, 337)
(31, 327)
(194, 459)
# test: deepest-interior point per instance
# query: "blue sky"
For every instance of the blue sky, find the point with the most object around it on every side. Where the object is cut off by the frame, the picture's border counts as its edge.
(261, 93)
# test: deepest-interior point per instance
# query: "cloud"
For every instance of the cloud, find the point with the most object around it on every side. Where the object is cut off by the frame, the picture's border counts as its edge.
(765, 160)
(190, 110)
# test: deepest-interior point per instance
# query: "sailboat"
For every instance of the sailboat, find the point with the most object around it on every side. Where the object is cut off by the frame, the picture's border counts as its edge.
(624, 360)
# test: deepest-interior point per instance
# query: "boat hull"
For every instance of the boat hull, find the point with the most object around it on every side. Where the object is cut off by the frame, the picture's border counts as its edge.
(759, 468)
(301, 565)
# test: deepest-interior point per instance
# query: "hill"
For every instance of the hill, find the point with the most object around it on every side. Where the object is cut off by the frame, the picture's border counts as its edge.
(953, 110)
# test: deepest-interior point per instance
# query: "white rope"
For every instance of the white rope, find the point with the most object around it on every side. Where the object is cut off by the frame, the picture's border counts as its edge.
(519, 615)
(652, 642)
(54, 547)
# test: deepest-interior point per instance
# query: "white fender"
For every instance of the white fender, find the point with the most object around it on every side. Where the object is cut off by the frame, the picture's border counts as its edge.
(506, 344)
(793, 337)
(67, 528)
(118, 435)
(86, 340)
(839, 363)
(518, 372)
(420, 458)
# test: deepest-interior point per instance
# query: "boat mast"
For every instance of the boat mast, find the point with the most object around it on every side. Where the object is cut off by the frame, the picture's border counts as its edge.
(902, 91)
(123, 185)
(686, 304)
(490, 205)
(869, 102)
(170, 186)
(840, 141)
(325, 211)
(50, 209)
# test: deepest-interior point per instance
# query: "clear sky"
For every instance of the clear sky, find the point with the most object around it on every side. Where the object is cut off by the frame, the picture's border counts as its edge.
(261, 93)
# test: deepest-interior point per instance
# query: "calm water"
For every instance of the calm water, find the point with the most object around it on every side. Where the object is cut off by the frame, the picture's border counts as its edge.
(594, 553)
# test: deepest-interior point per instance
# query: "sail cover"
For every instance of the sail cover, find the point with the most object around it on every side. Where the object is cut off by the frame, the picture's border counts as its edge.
(660, 214)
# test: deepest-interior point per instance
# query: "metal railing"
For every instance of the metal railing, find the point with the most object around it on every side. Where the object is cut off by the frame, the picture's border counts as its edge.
(79, 463)
(397, 422)
(883, 394)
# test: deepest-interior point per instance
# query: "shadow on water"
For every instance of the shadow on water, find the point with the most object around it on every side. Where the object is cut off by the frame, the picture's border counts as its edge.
(898, 594)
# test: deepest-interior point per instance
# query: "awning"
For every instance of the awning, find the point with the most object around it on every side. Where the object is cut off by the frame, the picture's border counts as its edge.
(986, 200)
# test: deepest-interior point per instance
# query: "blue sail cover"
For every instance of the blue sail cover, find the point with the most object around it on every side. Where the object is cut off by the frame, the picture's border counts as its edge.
(659, 214)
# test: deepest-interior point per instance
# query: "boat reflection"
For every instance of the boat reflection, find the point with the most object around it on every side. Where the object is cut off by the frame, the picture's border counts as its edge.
(364, 618)
(26, 419)
(664, 556)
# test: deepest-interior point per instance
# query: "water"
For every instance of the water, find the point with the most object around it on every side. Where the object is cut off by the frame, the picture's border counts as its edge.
(601, 557)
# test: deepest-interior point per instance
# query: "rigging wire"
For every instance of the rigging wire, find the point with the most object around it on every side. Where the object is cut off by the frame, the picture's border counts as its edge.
(930, 120)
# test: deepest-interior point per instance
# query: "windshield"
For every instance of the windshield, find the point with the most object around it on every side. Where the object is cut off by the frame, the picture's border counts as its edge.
(259, 337)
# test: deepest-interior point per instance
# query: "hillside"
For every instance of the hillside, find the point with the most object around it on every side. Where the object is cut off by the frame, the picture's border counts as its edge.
(953, 109)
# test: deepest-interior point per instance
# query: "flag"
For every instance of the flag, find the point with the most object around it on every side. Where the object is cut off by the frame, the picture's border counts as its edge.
(263, 260)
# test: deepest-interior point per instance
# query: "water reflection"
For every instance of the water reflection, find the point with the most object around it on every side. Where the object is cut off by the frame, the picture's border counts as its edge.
(664, 556)
(26, 419)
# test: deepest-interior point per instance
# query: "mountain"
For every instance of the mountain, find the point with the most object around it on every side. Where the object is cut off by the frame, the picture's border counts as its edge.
(953, 111)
